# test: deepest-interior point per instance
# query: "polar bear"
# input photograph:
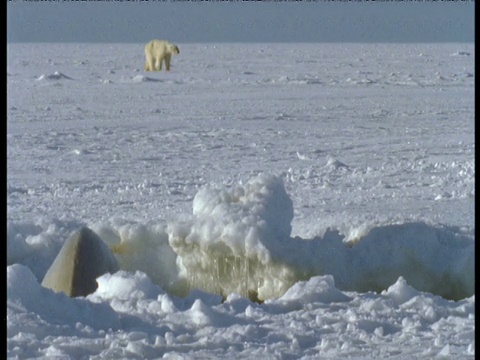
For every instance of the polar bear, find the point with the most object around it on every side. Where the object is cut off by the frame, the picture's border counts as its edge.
(157, 51)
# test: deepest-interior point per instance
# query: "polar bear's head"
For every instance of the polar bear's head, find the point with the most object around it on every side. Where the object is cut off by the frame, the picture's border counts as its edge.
(173, 49)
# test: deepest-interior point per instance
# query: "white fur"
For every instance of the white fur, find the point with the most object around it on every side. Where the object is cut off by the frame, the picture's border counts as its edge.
(158, 51)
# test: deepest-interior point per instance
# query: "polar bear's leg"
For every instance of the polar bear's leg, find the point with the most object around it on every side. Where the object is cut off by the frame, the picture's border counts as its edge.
(147, 65)
(167, 62)
(148, 57)
(157, 65)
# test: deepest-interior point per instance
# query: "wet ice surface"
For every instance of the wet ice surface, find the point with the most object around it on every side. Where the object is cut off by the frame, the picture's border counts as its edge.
(373, 144)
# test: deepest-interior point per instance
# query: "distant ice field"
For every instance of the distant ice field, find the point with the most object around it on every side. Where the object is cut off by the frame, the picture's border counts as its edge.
(138, 145)
(335, 182)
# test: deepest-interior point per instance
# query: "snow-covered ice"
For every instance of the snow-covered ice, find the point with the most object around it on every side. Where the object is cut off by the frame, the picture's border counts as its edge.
(304, 201)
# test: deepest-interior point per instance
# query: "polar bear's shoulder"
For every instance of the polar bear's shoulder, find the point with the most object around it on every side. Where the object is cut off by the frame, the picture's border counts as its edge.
(162, 44)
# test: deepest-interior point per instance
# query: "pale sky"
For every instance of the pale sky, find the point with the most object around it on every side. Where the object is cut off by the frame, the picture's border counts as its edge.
(228, 21)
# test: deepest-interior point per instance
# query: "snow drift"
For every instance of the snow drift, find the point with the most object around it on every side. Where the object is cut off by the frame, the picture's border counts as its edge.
(238, 240)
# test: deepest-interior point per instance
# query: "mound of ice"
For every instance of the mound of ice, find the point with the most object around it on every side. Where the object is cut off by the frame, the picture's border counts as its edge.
(143, 78)
(138, 247)
(229, 242)
(55, 76)
(124, 285)
(317, 289)
(34, 246)
(335, 164)
(461, 53)
(400, 292)
(26, 295)
(238, 241)
(439, 260)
